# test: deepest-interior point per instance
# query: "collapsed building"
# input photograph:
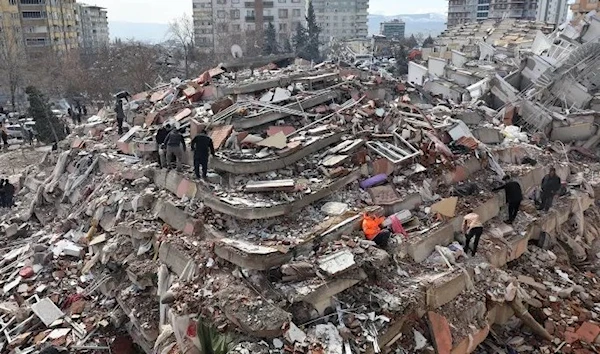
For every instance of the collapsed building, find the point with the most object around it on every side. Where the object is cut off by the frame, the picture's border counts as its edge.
(105, 251)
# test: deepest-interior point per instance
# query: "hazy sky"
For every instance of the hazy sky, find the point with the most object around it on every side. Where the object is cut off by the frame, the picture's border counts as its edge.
(161, 11)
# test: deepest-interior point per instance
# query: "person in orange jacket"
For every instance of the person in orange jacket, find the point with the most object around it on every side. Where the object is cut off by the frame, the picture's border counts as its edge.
(373, 232)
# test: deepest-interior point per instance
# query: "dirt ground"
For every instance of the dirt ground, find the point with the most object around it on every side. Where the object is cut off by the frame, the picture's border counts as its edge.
(17, 158)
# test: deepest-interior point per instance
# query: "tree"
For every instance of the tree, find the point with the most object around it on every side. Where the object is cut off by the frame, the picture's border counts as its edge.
(300, 41)
(419, 37)
(287, 46)
(313, 32)
(270, 42)
(13, 62)
(428, 42)
(411, 42)
(48, 127)
(401, 56)
(182, 32)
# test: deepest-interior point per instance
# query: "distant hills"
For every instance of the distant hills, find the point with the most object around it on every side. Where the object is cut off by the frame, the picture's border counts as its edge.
(428, 24)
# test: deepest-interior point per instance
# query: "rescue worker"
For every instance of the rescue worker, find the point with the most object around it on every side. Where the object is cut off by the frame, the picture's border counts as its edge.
(202, 145)
(550, 186)
(514, 197)
(373, 232)
(472, 227)
(120, 115)
(161, 136)
(175, 148)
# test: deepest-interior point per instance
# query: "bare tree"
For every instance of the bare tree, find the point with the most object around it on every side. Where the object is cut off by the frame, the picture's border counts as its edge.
(13, 61)
(181, 31)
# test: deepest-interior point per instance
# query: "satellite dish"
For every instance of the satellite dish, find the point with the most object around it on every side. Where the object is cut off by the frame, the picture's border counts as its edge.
(236, 51)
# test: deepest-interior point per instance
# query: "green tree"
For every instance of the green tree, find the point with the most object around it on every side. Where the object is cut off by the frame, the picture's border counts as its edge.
(270, 43)
(428, 42)
(401, 56)
(313, 32)
(411, 42)
(48, 127)
(287, 46)
(300, 41)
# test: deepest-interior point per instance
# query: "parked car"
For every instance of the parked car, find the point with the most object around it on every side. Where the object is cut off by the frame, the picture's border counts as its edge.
(14, 131)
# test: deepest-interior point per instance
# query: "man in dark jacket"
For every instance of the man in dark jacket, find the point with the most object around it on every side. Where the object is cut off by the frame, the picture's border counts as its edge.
(9, 193)
(120, 115)
(514, 197)
(175, 148)
(202, 145)
(161, 136)
(550, 186)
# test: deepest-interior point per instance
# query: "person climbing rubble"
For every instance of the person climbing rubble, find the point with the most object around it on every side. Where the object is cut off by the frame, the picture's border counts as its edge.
(175, 146)
(550, 186)
(514, 197)
(202, 145)
(161, 136)
(373, 232)
(472, 227)
(120, 115)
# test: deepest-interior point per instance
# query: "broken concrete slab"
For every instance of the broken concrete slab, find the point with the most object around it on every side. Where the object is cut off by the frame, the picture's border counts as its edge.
(285, 185)
(47, 311)
(440, 332)
(250, 256)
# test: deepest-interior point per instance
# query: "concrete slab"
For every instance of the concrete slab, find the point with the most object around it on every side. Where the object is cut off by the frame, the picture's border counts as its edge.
(250, 256)
(47, 311)
(440, 332)
(445, 290)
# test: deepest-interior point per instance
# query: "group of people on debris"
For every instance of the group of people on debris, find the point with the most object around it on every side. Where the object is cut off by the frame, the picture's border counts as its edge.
(472, 227)
(77, 113)
(172, 147)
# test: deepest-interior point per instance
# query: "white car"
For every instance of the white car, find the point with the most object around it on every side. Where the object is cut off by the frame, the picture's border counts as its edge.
(14, 131)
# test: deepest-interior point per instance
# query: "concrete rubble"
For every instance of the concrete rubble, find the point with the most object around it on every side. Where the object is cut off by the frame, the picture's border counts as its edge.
(105, 249)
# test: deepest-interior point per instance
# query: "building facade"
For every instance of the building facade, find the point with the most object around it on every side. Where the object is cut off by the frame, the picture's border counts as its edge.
(581, 7)
(93, 28)
(342, 19)
(220, 24)
(465, 11)
(392, 29)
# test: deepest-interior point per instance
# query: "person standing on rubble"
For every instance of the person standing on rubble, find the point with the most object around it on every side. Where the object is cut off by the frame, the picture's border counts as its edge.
(161, 136)
(202, 145)
(472, 227)
(120, 115)
(9, 193)
(2, 194)
(514, 197)
(550, 186)
(175, 148)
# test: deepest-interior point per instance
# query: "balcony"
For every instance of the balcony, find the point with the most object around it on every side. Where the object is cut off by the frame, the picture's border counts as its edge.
(252, 4)
(265, 19)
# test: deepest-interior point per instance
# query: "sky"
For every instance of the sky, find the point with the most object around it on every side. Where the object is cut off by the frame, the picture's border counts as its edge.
(161, 11)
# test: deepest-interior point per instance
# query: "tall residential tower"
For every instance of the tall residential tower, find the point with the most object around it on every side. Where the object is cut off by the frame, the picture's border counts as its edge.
(464, 11)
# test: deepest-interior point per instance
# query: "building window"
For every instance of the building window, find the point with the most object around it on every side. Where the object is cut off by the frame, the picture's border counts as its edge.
(221, 14)
(250, 13)
(223, 28)
(283, 27)
(234, 14)
(282, 1)
(283, 13)
(223, 2)
(235, 1)
(296, 13)
(295, 1)
(34, 14)
(30, 2)
(236, 27)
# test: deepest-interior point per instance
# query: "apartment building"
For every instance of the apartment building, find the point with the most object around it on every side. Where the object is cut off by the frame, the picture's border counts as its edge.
(392, 29)
(219, 24)
(11, 34)
(342, 19)
(93, 28)
(582, 7)
(465, 11)
(48, 24)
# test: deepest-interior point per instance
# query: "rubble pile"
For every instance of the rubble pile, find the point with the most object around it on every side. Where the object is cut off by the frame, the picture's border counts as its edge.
(106, 249)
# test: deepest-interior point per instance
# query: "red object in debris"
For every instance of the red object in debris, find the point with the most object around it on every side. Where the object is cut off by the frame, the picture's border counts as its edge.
(588, 332)
(204, 78)
(414, 54)
(192, 330)
(26, 272)
(400, 88)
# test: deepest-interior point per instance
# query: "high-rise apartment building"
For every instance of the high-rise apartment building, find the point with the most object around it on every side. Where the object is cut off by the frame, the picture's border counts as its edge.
(220, 24)
(342, 19)
(93, 28)
(464, 11)
(392, 29)
(581, 7)
(48, 24)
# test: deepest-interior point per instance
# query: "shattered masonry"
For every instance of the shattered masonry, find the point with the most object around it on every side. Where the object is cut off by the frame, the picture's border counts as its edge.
(107, 250)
